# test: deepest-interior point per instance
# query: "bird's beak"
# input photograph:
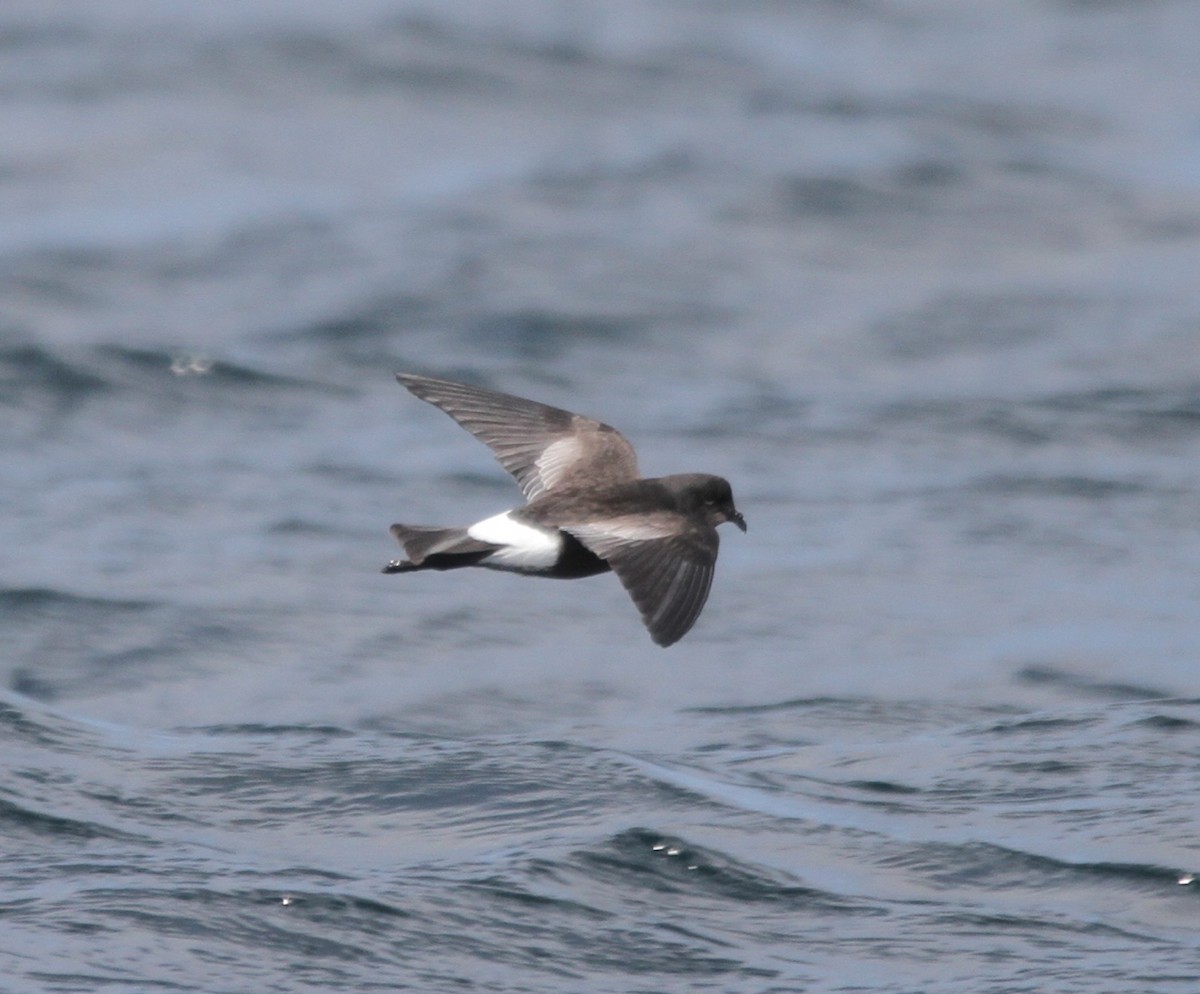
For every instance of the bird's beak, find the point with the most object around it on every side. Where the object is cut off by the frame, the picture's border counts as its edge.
(737, 519)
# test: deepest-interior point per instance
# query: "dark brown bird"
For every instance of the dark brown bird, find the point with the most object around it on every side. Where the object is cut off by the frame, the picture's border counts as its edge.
(588, 510)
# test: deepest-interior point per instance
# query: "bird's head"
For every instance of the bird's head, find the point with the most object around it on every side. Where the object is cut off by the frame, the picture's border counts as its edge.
(711, 497)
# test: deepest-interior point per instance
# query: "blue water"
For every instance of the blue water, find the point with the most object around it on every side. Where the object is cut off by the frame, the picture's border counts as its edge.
(919, 279)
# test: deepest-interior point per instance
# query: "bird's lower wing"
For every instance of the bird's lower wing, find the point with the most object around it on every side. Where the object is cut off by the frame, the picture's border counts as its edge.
(668, 576)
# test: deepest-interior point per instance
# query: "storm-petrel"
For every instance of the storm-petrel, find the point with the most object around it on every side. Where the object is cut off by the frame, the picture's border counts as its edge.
(588, 510)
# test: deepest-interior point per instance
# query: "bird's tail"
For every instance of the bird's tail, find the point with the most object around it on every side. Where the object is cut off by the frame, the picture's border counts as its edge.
(436, 548)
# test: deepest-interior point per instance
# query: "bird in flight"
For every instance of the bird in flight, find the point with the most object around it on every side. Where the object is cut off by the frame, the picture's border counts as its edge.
(588, 510)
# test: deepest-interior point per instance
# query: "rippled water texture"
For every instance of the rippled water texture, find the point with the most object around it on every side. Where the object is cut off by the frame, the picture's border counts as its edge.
(918, 278)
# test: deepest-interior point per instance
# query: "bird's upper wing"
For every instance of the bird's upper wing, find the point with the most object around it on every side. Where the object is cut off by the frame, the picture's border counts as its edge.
(543, 447)
(664, 562)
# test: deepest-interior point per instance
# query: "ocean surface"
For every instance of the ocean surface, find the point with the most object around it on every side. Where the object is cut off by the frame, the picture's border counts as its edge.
(922, 279)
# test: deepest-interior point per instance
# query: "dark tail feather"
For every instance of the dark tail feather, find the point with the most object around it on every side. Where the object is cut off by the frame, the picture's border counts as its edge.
(437, 548)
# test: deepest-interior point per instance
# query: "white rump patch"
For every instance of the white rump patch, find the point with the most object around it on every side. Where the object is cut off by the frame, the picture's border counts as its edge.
(556, 459)
(523, 548)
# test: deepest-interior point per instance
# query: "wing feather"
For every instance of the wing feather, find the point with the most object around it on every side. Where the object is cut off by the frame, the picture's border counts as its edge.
(668, 573)
(544, 447)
